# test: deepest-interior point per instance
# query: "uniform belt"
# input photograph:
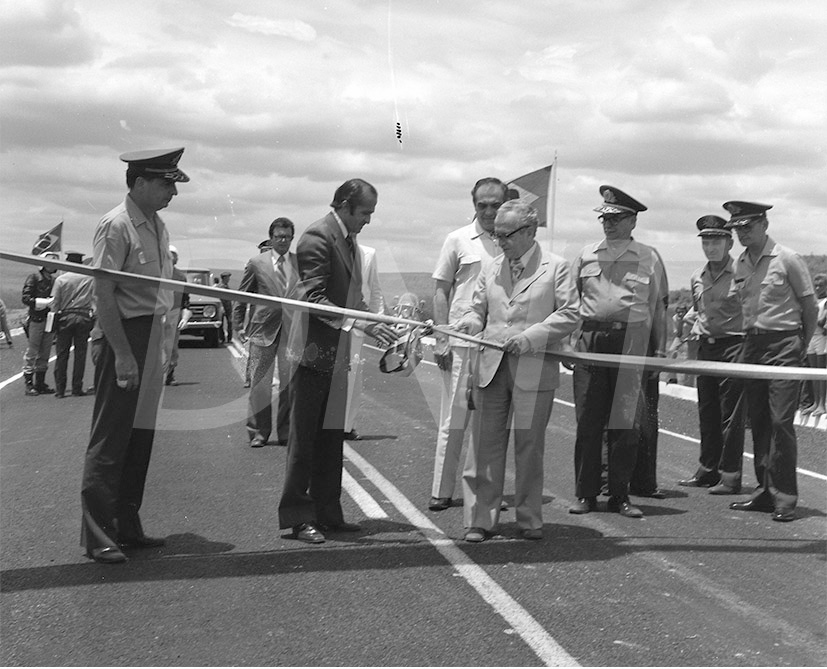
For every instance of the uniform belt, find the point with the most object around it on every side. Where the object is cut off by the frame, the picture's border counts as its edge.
(608, 326)
(753, 332)
(720, 340)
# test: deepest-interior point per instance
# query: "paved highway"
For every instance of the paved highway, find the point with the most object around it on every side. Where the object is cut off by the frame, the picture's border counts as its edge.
(692, 583)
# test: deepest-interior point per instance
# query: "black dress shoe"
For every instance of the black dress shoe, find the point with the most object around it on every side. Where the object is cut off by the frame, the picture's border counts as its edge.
(657, 493)
(623, 507)
(257, 442)
(59, 394)
(341, 527)
(106, 555)
(783, 515)
(308, 533)
(141, 542)
(584, 505)
(353, 435)
(703, 478)
(439, 503)
(78, 393)
(755, 504)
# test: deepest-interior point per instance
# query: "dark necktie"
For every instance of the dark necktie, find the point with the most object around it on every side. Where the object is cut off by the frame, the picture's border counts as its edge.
(516, 269)
(351, 244)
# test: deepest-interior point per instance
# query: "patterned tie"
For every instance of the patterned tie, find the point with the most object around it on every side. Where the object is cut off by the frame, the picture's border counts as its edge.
(281, 276)
(516, 269)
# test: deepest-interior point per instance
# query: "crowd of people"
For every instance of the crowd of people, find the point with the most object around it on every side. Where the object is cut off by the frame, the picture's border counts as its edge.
(492, 279)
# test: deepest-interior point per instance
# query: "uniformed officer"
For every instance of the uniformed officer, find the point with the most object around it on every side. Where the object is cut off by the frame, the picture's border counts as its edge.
(37, 291)
(718, 328)
(779, 317)
(128, 373)
(623, 298)
(72, 296)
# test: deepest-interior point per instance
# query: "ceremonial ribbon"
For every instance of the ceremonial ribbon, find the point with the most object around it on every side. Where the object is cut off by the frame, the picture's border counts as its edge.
(701, 367)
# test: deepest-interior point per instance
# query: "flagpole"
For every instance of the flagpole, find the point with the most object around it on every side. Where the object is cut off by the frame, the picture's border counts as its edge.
(550, 200)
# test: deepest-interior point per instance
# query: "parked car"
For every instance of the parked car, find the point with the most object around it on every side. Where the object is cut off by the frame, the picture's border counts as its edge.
(207, 312)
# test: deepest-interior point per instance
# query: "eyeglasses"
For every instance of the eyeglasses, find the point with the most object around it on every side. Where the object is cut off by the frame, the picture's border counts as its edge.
(499, 236)
(613, 218)
(488, 205)
(282, 238)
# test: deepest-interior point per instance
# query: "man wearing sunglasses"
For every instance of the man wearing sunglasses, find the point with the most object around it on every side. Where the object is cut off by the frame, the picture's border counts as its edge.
(623, 298)
(525, 300)
(779, 311)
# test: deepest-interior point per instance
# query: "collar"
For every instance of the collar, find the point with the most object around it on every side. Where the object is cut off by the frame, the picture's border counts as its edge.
(632, 246)
(528, 255)
(342, 227)
(134, 211)
(275, 256)
(728, 268)
(478, 230)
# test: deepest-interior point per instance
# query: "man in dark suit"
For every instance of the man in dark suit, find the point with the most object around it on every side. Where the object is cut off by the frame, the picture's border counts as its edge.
(275, 273)
(330, 270)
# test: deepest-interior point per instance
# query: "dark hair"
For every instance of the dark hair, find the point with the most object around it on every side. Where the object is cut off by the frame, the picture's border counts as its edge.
(352, 191)
(281, 222)
(132, 174)
(489, 180)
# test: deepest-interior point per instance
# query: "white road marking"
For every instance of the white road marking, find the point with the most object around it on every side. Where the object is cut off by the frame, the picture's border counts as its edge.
(19, 375)
(370, 507)
(551, 653)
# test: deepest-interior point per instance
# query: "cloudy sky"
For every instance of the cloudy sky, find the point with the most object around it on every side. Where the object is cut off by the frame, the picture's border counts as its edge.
(682, 104)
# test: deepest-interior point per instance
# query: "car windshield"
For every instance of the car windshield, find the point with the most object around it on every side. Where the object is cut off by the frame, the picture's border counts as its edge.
(200, 278)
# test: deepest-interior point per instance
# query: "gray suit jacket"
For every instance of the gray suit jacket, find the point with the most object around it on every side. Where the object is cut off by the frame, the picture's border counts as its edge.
(260, 277)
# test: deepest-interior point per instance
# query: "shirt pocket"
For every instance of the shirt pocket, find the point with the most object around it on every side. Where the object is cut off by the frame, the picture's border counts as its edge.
(468, 267)
(773, 288)
(589, 271)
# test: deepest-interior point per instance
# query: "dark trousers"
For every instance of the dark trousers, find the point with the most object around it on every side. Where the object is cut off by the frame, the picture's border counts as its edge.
(612, 398)
(72, 330)
(228, 316)
(771, 406)
(313, 482)
(644, 477)
(262, 361)
(721, 409)
(120, 443)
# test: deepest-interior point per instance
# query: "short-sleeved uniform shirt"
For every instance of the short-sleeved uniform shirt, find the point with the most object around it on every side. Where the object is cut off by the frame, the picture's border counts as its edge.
(622, 289)
(125, 240)
(771, 289)
(716, 302)
(463, 254)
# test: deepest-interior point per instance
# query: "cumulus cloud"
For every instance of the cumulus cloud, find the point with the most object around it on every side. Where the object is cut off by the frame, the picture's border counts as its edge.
(43, 33)
(295, 29)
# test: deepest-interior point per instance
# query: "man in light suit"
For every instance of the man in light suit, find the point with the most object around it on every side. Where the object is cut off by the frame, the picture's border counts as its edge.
(270, 273)
(330, 271)
(526, 300)
(372, 294)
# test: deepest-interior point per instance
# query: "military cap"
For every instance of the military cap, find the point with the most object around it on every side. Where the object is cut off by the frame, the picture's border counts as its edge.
(615, 201)
(265, 244)
(74, 256)
(156, 163)
(712, 226)
(227, 274)
(743, 213)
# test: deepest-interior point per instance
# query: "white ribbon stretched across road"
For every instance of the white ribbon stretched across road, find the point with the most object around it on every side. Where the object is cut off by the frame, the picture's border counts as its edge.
(700, 367)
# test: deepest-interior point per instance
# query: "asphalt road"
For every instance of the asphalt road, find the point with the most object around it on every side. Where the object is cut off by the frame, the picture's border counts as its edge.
(692, 583)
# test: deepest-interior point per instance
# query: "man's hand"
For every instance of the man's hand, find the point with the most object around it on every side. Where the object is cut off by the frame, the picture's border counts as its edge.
(242, 336)
(517, 345)
(382, 332)
(186, 314)
(126, 370)
(443, 356)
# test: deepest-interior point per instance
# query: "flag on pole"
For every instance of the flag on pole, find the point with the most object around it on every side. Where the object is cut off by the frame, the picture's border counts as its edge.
(49, 241)
(533, 188)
